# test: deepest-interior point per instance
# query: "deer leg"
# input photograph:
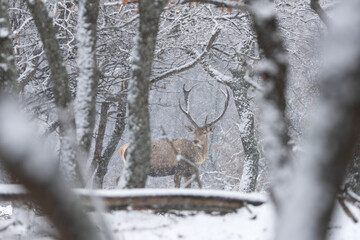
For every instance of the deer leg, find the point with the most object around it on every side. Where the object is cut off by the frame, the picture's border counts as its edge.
(187, 179)
(177, 180)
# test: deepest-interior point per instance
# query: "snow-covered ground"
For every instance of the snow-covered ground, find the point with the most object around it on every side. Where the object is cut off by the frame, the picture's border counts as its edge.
(22, 224)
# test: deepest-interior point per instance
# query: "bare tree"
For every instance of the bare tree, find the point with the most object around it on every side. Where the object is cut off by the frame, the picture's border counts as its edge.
(8, 72)
(26, 158)
(111, 147)
(60, 89)
(240, 87)
(273, 70)
(88, 77)
(139, 152)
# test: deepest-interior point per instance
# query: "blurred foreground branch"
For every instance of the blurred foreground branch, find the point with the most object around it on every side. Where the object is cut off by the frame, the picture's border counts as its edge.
(26, 159)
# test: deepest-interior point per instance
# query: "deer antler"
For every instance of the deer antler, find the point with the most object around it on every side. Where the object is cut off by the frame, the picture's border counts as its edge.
(186, 98)
(227, 96)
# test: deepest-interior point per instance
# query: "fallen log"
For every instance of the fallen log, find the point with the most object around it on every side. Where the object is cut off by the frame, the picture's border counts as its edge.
(153, 199)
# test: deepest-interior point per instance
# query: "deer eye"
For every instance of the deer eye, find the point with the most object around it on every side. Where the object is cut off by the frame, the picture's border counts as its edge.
(196, 141)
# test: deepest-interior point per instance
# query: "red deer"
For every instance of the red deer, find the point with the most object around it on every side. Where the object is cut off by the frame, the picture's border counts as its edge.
(164, 153)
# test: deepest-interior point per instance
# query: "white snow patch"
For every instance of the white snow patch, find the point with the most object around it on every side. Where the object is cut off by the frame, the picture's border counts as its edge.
(6, 211)
(267, 66)
(258, 223)
(240, 225)
(4, 32)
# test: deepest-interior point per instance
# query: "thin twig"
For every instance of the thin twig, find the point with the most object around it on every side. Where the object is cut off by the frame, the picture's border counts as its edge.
(315, 5)
(346, 209)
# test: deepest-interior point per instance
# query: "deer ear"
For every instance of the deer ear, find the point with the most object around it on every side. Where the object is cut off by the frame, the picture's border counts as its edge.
(211, 128)
(189, 128)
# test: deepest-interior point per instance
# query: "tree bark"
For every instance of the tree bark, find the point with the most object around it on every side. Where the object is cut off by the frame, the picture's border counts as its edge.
(240, 89)
(138, 162)
(8, 72)
(100, 137)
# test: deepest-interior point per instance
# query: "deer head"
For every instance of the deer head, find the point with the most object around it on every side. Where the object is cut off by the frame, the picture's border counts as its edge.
(201, 132)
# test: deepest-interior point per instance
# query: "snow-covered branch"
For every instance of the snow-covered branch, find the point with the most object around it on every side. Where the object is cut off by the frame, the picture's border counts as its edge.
(199, 58)
(222, 3)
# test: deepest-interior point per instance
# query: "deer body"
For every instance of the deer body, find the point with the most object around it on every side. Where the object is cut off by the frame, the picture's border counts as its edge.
(164, 153)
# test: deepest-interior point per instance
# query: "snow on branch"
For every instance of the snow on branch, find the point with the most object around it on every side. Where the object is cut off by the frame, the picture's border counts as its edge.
(155, 199)
(215, 33)
(220, 3)
(224, 79)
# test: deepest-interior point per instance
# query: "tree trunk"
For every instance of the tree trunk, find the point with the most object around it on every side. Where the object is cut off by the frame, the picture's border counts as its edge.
(100, 137)
(8, 72)
(274, 72)
(138, 162)
(111, 147)
(60, 89)
(88, 77)
(240, 89)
